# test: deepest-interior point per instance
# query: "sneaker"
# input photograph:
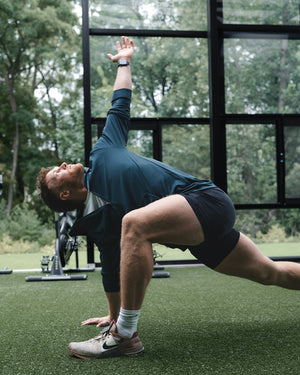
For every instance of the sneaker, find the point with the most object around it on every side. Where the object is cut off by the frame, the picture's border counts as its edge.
(108, 344)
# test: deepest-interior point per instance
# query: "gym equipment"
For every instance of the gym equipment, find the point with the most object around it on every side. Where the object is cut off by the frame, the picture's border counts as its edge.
(67, 245)
(5, 271)
(64, 247)
(157, 267)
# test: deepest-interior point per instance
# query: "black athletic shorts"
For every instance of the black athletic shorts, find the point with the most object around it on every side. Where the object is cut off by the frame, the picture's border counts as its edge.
(216, 214)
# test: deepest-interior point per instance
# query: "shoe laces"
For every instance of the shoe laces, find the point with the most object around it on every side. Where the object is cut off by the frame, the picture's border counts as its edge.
(96, 338)
(105, 332)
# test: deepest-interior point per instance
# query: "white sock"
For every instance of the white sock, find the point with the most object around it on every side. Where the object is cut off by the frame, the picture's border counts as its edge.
(127, 322)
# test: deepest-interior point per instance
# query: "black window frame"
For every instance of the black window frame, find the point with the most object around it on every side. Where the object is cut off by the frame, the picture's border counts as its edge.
(216, 33)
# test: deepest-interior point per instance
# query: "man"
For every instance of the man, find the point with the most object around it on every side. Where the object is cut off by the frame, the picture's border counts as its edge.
(133, 202)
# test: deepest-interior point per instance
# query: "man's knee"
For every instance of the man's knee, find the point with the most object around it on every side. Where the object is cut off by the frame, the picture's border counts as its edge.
(133, 225)
(134, 240)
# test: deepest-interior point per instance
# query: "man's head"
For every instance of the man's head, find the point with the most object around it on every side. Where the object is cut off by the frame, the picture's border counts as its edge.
(62, 187)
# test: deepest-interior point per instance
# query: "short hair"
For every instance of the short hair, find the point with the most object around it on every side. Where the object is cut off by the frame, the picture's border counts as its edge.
(51, 195)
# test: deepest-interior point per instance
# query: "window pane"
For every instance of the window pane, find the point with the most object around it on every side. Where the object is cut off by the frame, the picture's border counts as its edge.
(262, 76)
(170, 77)
(149, 14)
(251, 163)
(292, 162)
(187, 148)
(272, 12)
(141, 142)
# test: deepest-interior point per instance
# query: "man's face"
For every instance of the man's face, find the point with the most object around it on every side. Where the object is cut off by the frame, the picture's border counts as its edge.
(66, 175)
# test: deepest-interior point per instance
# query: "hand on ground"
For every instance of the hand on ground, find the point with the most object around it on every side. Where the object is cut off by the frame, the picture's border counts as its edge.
(101, 322)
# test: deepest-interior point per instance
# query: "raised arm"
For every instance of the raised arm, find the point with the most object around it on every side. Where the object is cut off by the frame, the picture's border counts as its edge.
(125, 52)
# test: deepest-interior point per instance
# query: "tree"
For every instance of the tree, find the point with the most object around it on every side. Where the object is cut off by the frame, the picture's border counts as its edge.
(37, 46)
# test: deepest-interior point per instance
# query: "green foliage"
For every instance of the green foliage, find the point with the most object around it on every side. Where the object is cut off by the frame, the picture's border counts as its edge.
(187, 148)
(275, 234)
(145, 14)
(38, 48)
(253, 89)
(10, 246)
(24, 225)
(251, 163)
(272, 12)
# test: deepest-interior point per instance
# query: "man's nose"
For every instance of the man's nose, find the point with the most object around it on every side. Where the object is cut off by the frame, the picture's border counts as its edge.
(63, 165)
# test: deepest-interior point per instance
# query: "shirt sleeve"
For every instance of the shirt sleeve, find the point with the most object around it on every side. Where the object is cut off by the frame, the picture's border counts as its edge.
(110, 267)
(116, 128)
(103, 227)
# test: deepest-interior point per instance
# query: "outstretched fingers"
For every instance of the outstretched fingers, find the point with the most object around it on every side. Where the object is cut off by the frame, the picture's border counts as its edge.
(101, 322)
(125, 50)
(119, 46)
(127, 43)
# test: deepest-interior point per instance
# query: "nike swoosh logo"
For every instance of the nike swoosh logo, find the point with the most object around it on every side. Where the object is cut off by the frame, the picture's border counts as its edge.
(106, 347)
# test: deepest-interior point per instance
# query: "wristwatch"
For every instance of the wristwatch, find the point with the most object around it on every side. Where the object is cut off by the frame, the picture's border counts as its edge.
(123, 62)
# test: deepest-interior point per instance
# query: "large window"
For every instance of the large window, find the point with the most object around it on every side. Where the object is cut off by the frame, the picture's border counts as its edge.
(216, 93)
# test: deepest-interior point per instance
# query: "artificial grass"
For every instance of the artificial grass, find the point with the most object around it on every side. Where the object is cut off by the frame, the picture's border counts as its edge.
(195, 322)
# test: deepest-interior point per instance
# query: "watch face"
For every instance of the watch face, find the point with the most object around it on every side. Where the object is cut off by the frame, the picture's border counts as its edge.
(123, 62)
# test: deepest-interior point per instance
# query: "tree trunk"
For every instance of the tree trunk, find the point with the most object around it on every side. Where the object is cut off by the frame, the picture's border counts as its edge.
(13, 171)
(15, 149)
(283, 75)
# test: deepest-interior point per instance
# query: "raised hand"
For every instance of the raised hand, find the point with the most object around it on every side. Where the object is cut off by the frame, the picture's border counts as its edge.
(124, 52)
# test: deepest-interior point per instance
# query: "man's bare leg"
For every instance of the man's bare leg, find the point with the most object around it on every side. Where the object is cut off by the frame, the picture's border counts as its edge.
(168, 220)
(247, 261)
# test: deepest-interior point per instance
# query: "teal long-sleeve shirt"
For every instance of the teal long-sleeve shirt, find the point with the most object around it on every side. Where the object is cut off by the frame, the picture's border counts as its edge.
(127, 181)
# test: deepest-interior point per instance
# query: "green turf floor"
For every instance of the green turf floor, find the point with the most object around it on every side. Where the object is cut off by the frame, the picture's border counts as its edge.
(195, 322)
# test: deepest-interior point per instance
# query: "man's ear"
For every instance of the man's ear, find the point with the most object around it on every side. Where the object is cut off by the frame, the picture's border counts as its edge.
(64, 195)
